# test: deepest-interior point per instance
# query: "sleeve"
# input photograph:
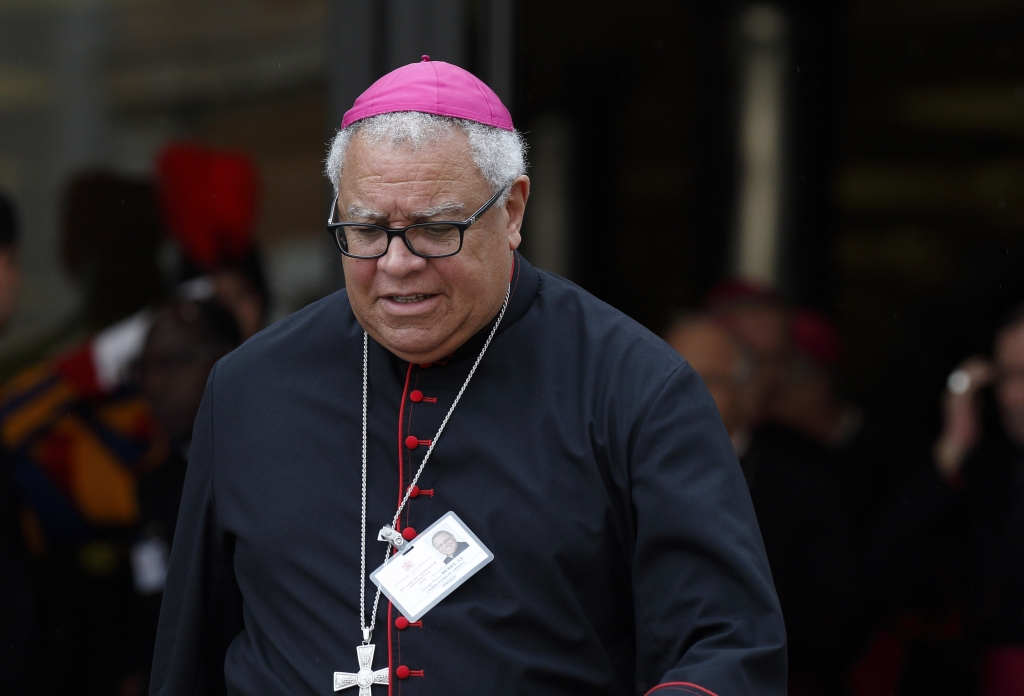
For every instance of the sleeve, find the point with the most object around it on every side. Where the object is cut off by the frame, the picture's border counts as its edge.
(707, 617)
(202, 605)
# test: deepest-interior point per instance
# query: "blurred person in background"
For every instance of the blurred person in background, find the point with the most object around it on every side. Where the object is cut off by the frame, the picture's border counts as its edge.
(807, 399)
(76, 426)
(77, 434)
(725, 366)
(799, 500)
(186, 339)
(16, 595)
(869, 458)
(112, 230)
(757, 317)
(952, 547)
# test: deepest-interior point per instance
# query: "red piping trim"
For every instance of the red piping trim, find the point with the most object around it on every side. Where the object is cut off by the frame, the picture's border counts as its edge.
(430, 399)
(401, 493)
(415, 672)
(685, 686)
(391, 670)
(401, 420)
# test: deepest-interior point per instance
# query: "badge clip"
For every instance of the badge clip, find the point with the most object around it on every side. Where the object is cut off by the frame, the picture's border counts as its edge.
(391, 536)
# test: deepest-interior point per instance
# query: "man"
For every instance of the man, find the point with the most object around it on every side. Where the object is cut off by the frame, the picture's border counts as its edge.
(953, 545)
(186, 339)
(796, 497)
(583, 453)
(448, 545)
(758, 318)
(725, 366)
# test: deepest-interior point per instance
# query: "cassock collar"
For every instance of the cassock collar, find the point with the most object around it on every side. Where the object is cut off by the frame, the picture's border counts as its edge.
(524, 284)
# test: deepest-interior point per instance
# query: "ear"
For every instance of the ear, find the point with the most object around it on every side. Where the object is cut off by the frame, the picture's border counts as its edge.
(515, 207)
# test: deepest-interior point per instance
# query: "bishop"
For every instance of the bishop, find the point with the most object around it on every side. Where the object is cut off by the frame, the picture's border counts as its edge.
(451, 375)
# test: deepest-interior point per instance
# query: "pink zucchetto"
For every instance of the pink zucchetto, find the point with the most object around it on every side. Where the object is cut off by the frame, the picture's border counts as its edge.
(431, 87)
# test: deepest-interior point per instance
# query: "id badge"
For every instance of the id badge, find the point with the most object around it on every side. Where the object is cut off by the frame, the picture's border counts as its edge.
(440, 558)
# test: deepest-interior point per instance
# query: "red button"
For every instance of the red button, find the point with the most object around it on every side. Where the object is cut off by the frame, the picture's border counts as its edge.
(416, 396)
(402, 672)
(412, 442)
(401, 623)
(409, 533)
(414, 492)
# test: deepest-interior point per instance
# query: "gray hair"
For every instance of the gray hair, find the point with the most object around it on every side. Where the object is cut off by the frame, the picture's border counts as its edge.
(500, 155)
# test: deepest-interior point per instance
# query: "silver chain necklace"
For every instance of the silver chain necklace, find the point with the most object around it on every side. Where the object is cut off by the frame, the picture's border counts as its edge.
(366, 676)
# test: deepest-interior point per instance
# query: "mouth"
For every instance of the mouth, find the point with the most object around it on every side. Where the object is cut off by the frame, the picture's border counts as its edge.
(407, 299)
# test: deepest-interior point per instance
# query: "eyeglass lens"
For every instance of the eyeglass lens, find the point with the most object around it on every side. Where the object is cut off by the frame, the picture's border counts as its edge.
(428, 240)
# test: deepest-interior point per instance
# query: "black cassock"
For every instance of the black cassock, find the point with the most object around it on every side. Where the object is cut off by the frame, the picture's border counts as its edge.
(585, 454)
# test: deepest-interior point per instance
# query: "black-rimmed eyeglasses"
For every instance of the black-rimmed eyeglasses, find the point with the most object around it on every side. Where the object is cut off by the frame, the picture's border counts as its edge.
(428, 240)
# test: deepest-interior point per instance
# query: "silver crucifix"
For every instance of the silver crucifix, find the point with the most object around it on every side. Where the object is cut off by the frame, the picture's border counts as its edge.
(365, 677)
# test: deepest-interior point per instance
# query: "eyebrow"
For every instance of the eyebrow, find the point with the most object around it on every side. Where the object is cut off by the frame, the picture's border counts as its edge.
(359, 212)
(443, 209)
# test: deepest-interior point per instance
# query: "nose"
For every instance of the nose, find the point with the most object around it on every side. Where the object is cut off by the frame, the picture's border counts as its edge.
(399, 261)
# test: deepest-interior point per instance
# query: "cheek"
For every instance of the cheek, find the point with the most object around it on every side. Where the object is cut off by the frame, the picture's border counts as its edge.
(471, 277)
(359, 276)
(721, 396)
(1011, 395)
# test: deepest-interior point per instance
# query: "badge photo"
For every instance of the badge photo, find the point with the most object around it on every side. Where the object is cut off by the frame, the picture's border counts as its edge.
(442, 557)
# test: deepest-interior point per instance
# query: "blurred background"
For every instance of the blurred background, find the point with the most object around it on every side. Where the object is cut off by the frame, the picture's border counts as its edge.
(863, 158)
(878, 156)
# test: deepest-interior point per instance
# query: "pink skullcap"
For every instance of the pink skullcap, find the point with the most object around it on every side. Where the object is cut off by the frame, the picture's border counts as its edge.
(431, 87)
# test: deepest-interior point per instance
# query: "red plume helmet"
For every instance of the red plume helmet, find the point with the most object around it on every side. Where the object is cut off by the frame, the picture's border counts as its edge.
(210, 200)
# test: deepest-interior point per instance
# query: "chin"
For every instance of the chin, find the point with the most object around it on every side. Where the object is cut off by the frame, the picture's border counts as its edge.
(411, 341)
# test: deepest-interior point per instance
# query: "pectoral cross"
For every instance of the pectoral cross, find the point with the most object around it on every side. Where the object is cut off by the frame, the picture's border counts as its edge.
(365, 677)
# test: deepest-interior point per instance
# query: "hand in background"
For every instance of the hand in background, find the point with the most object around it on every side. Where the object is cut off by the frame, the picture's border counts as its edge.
(961, 415)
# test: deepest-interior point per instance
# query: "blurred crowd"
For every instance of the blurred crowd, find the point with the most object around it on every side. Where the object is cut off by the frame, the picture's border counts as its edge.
(900, 569)
(96, 418)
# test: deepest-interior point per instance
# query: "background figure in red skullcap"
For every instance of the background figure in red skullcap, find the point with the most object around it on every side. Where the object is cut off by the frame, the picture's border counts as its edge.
(798, 495)
(810, 401)
(725, 365)
(758, 318)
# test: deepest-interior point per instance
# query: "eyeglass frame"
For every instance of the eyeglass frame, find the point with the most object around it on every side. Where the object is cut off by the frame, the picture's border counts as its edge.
(392, 232)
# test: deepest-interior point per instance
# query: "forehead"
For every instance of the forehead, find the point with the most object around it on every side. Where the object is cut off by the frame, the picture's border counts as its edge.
(375, 169)
(173, 332)
(705, 345)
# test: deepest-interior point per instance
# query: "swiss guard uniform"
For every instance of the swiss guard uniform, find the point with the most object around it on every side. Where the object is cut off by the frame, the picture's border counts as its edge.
(586, 455)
